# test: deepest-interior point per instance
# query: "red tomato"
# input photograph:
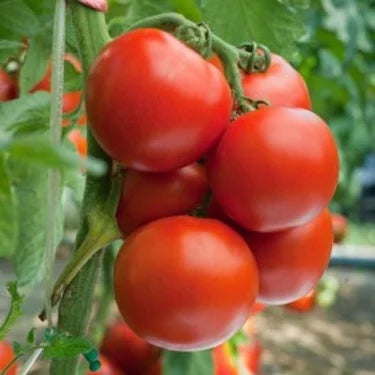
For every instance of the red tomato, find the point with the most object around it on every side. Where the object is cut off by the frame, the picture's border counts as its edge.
(106, 369)
(185, 283)
(79, 141)
(223, 361)
(340, 227)
(156, 369)
(8, 87)
(153, 103)
(215, 61)
(304, 304)
(280, 85)
(149, 196)
(6, 355)
(250, 356)
(128, 351)
(291, 262)
(71, 100)
(275, 168)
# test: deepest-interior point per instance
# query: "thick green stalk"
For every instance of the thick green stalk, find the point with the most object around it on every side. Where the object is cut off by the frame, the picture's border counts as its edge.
(75, 307)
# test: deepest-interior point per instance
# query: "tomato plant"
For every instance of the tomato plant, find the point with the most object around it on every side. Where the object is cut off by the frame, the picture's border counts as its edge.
(154, 114)
(149, 196)
(281, 85)
(6, 355)
(274, 168)
(195, 277)
(128, 351)
(291, 262)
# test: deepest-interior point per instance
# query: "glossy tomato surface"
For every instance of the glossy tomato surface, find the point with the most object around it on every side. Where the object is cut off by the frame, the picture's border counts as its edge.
(274, 168)
(185, 283)
(128, 351)
(149, 196)
(8, 87)
(291, 262)
(107, 368)
(281, 85)
(6, 355)
(153, 103)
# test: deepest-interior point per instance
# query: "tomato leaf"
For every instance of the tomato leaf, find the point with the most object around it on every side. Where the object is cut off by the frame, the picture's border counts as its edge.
(8, 220)
(63, 346)
(15, 311)
(178, 363)
(270, 22)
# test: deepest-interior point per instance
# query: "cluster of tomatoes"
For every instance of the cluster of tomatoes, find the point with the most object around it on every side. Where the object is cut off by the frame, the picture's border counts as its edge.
(217, 213)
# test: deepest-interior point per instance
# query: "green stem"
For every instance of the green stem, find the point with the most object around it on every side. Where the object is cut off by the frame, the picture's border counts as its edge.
(75, 307)
(229, 55)
(54, 190)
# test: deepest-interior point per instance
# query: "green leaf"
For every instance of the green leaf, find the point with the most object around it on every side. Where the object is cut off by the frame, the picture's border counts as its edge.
(31, 337)
(30, 184)
(8, 219)
(188, 8)
(179, 363)
(15, 310)
(17, 348)
(10, 44)
(28, 113)
(270, 22)
(63, 346)
(35, 64)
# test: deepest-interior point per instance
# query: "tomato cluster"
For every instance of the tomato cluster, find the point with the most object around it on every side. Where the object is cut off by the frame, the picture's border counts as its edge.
(187, 277)
(6, 356)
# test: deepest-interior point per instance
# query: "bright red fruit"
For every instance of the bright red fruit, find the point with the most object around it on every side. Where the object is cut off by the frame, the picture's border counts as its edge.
(106, 369)
(291, 262)
(340, 227)
(304, 304)
(149, 196)
(281, 85)
(185, 283)
(274, 168)
(223, 361)
(8, 87)
(250, 355)
(6, 355)
(153, 103)
(79, 141)
(128, 351)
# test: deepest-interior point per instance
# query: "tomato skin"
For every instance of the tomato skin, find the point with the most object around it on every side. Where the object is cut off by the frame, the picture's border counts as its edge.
(6, 355)
(106, 369)
(149, 196)
(153, 103)
(79, 141)
(305, 303)
(223, 361)
(250, 354)
(8, 87)
(195, 277)
(340, 227)
(281, 85)
(291, 262)
(274, 168)
(128, 351)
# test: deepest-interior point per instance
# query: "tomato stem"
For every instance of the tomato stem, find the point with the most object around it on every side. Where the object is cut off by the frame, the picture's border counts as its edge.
(230, 56)
(76, 304)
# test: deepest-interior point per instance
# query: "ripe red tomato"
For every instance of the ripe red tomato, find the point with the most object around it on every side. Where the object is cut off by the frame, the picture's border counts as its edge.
(79, 141)
(8, 87)
(106, 369)
(304, 304)
(250, 355)
(153, 103)
(340, 227)
(185, 283)
(291, 262)
(72, 99)
(281, 85)
(6, 355)
(215, 61)
(128, 351)
(224, 363)
(156, 369)
(149, 196)
(274, 168)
